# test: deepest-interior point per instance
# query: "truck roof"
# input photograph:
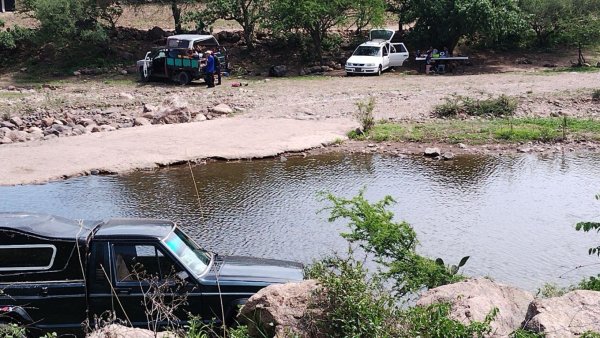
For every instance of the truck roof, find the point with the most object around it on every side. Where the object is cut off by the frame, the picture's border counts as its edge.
(48, 226)
(135, 227)
(59, 228)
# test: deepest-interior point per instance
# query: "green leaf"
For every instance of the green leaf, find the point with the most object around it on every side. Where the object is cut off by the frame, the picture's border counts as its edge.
(463, 261)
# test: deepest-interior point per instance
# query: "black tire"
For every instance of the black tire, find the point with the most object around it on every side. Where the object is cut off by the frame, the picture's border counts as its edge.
(183, 78)
(379, 71)
(348, 74)
(144, 77)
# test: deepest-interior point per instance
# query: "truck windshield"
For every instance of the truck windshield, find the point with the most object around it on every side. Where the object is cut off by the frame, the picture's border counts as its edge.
(366, 51)
(188, 252)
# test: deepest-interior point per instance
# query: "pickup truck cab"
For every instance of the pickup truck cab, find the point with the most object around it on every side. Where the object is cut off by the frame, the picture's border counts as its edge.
(174, 62)
(378, 54)
(56, 273)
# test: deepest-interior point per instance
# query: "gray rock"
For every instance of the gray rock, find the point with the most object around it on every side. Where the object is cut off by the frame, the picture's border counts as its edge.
(124, 125)
(462, 146)
(95, 129)
(17, 121)
(524, 150)
(107, 127)
(11, 88)
(432, 152)
(34, 130)
(172, 110)
(115, 330)
(447, 156)
(76, 73)
(200, 118)
(50, 137)
(17, 135)
(141, 121)
(47, 121)
(6, 124)
(126, 96)
(79, 130)
(278, 71)
(473, 299)
(5, 140)
(148, 108)
(86, 122)
(567, 316)
(281, 309)
(222, 109)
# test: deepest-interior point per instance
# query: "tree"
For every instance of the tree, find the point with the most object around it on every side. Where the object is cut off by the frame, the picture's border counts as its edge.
(367, 12)
(248, 13)
(444, 22)
(545, 18)
(315, 17)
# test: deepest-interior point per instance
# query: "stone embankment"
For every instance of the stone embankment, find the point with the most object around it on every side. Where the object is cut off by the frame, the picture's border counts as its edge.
(285, 308)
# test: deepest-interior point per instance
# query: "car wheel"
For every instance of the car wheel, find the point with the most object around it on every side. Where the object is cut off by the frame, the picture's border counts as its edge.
(144, 76)
(349, 74)
(379, 71)
(183, 78)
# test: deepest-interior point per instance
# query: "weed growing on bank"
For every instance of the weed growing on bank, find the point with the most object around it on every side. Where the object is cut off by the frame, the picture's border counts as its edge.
(492, 107)
(480, 131)
(364, 114)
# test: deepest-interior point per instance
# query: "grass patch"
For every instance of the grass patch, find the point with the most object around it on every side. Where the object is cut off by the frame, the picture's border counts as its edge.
(12, 95)
(500, 106)
(485, 130)
(572, 69)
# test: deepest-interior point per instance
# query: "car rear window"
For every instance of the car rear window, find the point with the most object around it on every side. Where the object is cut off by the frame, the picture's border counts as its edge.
(175, 43)
(27, 257)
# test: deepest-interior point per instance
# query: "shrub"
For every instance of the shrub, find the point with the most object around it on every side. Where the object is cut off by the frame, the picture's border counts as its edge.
(590, 283)
(364, 115)
(393, 244)
(433, 321)
(493, 107)
(353, 304)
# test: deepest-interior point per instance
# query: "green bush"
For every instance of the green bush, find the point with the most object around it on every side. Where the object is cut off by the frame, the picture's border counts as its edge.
(590, 283)
(493, 107)
(433, 321)
(353, 305)
(393, 244)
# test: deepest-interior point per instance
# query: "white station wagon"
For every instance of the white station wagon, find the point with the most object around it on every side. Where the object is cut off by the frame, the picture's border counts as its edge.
(377, 55)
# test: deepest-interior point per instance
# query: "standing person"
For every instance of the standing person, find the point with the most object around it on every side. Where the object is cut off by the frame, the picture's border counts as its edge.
(217, 57)
(210, 69)
(428, 61)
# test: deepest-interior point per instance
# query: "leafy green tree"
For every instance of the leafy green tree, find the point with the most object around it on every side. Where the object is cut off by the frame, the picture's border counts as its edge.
(315, 17)
(66, 21)
(248, 13)
(443, 23)
(366, 13)
(545, 18)
(587, 227)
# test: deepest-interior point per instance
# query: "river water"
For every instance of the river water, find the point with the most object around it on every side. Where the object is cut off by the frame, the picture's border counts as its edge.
(514, 215)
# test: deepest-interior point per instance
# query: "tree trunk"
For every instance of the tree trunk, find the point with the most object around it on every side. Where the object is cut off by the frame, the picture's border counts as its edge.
(317, 41)
(581, 59)
(176, 16)
(249, 37)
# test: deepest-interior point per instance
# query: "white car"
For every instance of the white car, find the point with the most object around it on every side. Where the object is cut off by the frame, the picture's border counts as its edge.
(377, 55)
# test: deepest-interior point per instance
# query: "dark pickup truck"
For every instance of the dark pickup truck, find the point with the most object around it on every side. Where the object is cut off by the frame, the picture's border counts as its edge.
(56, 273)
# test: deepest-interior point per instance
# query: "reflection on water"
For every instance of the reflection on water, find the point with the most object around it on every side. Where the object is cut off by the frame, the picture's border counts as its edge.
(513, 215)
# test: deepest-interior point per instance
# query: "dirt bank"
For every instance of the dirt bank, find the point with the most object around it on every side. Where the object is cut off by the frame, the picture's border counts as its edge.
(152, 146)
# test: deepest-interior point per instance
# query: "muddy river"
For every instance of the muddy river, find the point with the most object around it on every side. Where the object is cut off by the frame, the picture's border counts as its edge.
(514, 215)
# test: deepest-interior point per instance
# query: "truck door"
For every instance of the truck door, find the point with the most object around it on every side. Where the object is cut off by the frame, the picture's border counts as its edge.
(398, 54)
(144, 276)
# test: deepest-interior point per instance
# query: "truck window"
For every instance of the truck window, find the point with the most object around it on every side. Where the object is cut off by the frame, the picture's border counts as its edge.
(142, 261)
(27, 257)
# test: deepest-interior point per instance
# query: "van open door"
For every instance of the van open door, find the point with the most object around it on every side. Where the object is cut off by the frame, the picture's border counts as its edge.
(398, 54)
(381, 34)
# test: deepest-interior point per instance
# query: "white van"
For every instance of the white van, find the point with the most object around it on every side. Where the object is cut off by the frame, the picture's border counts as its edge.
(377, 55)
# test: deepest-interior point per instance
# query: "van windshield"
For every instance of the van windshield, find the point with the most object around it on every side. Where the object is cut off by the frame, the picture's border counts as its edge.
(188, 252)
(366, 51)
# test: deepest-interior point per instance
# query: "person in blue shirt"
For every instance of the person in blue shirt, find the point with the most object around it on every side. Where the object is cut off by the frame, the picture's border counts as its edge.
(209, 70)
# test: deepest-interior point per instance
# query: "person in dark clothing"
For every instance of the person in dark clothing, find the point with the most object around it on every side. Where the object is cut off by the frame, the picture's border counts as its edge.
(209, 70)
(218, 67)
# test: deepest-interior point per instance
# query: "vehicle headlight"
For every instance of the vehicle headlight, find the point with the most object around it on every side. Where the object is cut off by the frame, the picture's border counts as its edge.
(370, 65)
(348, 64)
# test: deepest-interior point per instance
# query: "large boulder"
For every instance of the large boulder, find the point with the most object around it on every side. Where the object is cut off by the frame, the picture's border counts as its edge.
(172, 110)
(567, 316)
(281, 310)
(473, 299)
(222, 109)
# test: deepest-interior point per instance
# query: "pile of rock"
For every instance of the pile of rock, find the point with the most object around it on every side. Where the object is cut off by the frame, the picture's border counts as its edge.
(44, 125)
(284, 309)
